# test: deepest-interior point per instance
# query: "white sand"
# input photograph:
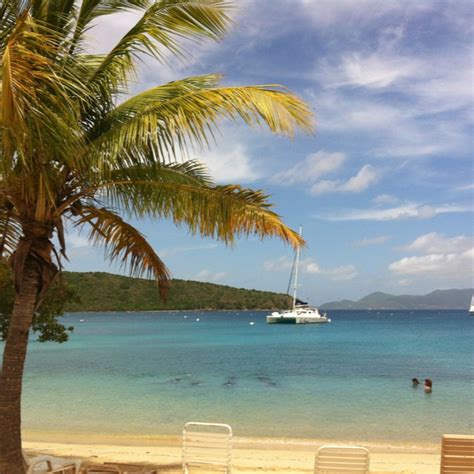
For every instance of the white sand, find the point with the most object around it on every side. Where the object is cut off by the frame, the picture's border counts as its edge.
(250, 455)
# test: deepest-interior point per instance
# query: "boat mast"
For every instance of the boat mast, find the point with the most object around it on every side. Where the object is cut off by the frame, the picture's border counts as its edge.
(296, 270)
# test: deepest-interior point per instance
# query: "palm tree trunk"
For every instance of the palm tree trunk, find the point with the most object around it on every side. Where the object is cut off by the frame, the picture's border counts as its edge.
(11, 377)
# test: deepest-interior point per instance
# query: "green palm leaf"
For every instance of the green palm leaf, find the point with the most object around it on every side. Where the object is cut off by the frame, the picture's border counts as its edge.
(125, 244)
(179, 193)
(157, 31)
(183, 113)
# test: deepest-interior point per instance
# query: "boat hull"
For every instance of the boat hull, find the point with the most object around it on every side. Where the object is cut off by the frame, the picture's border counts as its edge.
(280, 320)
(295, 320)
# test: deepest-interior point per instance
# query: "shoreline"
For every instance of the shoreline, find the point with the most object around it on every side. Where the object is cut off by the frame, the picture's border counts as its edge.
(249, 455)
(170, 311)
(207, 310)
(262, 442)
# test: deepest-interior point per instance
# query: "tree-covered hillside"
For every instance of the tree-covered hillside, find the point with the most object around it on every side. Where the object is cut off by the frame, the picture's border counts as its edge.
(107, 292)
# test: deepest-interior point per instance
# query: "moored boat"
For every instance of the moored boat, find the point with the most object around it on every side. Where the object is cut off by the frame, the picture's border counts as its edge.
(300, 313)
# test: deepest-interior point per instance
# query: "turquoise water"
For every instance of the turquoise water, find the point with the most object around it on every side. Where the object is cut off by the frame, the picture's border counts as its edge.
(149, 373)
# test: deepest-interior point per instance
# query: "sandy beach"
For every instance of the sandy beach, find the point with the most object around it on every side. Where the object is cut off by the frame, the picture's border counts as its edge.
(250, 455)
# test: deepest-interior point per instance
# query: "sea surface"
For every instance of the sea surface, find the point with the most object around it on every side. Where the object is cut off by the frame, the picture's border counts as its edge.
(147, 373)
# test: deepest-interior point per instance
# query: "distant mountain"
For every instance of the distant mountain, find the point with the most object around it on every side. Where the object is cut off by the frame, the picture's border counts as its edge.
(99, 291)
(438, 299)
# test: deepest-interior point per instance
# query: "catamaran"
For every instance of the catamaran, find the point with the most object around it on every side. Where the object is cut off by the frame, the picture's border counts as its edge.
(471, 309)
(300, 313)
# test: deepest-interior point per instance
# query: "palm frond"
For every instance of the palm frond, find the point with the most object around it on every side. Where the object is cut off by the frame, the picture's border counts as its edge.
(125, 244)
(221, 212)
(36, 99)
(10, 233)
(154, 33)
(184, 113)
(10, 11)
(39, 113)
(189, 172)
(90, 10)
(133, 188)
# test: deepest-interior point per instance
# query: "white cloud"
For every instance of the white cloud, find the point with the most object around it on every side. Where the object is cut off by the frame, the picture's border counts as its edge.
(77, 244)
(405, 282)
(308, 265)
(339, 112)
(453, 265)
(230, 162)
(405, 211)
(281, 263)
(344, 272)
(75, 240)
(381, 239)
(107, 31)
(361, 181)
(208, 275)
(411, 127)
(311, 168)
(366, 176)
(442, 257)
(434, 243)
(414, 149)
(353, 85)
(311, 267)
(382, 199)
(227, 160)
(372, 71)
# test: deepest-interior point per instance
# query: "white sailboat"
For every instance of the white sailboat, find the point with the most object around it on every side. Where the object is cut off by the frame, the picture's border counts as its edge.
(471, 309)
(300, 313)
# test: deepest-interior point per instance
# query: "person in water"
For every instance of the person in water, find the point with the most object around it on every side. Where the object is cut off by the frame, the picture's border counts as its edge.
(428, 385)
(415, 382)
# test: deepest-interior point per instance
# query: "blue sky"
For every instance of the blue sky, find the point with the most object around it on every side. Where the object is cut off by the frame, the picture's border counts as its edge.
(384, 189)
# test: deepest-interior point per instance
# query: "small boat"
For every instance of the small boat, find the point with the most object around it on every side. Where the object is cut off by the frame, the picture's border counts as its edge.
(471, 309)
(300, 313)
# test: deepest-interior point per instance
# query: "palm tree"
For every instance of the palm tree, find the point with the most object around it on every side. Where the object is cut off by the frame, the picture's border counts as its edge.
(74, 148)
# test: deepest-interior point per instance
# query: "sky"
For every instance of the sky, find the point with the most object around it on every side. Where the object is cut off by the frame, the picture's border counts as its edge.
(383, 189)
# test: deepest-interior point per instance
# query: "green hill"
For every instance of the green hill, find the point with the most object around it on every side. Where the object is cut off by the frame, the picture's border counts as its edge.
(107, 292)
(438, 299)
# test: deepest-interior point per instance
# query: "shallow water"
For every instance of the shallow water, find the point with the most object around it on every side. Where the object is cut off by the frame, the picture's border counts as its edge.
(149, 373)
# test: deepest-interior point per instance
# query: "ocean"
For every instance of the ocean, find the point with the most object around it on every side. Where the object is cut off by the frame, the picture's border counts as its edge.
(136, 373)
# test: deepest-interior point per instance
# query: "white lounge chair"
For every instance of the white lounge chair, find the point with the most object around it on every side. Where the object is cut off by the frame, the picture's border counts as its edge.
(341, 460)
(457, 454)
(207, 444)
(45, 464)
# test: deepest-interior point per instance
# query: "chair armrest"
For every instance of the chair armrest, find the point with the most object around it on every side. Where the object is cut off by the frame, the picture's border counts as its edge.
(53, 467)
(33, 463)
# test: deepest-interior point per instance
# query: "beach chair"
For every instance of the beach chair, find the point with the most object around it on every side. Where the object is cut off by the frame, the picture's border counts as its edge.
(45, 464)
(341, 460)
(457, 454)
(207, 444)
